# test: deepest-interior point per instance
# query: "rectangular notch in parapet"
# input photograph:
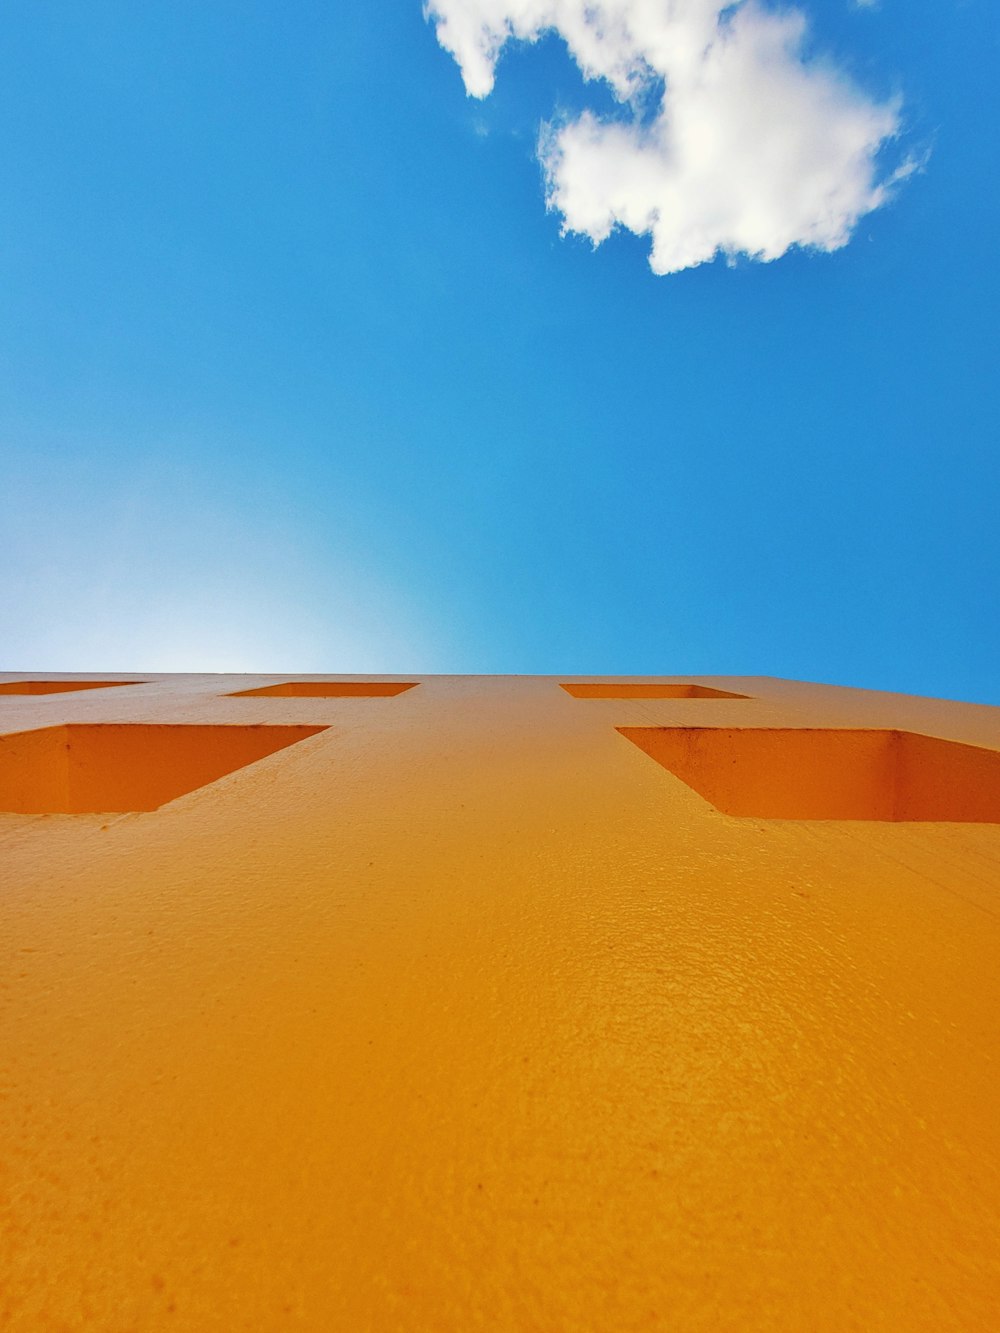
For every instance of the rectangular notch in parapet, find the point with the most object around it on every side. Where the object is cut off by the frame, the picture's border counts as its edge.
(328, 689)
(792, 773)
(635, 689)
(60, 686)
(113, 769)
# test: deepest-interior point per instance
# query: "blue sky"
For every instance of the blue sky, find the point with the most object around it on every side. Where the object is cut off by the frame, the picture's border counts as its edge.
(297, 372)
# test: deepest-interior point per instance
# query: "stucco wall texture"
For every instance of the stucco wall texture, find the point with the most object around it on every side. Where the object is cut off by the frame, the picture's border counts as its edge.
(462, 1006)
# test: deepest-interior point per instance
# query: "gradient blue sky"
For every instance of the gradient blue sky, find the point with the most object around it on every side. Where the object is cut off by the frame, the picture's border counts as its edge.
(297, 373)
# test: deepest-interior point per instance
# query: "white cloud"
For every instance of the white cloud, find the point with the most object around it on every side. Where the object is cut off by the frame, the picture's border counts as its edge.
(753, 148)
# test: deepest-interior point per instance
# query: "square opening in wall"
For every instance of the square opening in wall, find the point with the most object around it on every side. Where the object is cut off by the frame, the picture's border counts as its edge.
(637, 689)
(328, 689)
(802, 773)
(112, 769)
(60, 686)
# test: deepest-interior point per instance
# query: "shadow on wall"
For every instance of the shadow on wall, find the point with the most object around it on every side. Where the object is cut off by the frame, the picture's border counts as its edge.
(802, 773)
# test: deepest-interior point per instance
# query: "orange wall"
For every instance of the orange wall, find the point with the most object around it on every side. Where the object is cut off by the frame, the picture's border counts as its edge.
(464, 1013)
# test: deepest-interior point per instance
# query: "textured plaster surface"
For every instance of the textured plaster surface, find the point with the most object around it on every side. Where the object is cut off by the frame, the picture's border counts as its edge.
(464, 1014)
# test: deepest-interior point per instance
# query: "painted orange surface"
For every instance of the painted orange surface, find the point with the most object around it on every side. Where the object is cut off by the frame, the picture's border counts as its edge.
(113, 768)
(58, 686)
(644, 689)
(328, 689)
(461, 1013)
(836, 773)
